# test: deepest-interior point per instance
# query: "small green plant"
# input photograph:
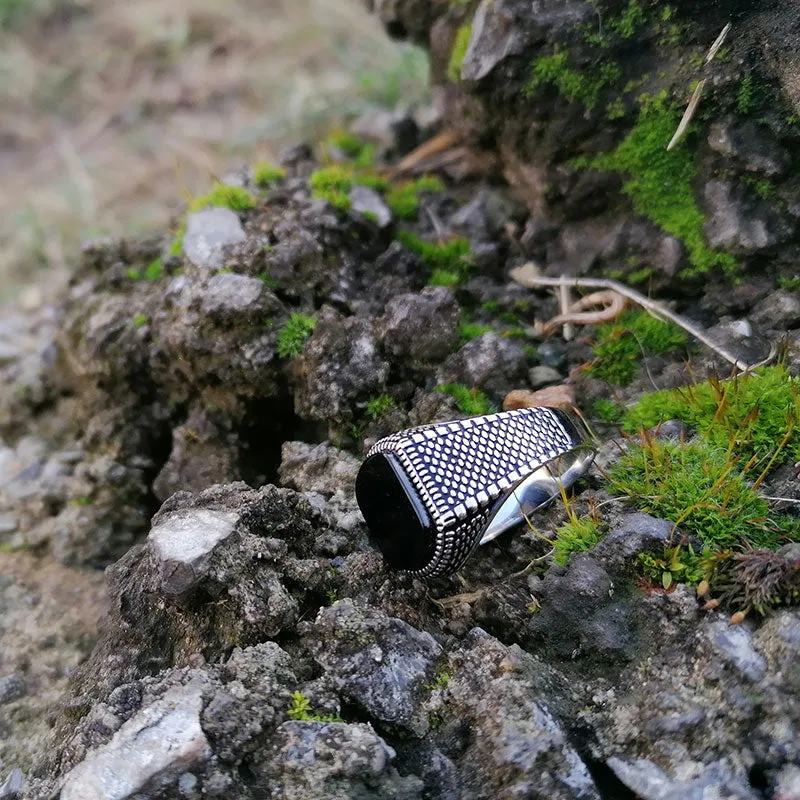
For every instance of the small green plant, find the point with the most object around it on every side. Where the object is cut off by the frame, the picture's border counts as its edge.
(763, 188)
(440, 680)
(82, 501)
(332, 184)
(140, 320)
(380, 405)
(265, 173)
(468, 401)
(620, 345)
(615, 109)
(679, 564)
(404, 199)
(294, 333)
(575, 536)
(629, 21)
(573, 85)
(300, 709)
(451, 260)
(699, 488)
(222, 195)
(458, 52)
(791, 283)
(607, 411)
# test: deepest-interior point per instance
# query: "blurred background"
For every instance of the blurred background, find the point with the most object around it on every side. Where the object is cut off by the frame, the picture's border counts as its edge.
(113, 112)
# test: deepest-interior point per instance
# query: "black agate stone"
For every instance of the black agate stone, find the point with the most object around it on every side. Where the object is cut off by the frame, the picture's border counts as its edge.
(394, 513)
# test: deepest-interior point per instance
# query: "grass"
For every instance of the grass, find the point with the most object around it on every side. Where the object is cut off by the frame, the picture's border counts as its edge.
(468, 401)
(196, 87)
(293, 335)
(660, 182)
(620, 345)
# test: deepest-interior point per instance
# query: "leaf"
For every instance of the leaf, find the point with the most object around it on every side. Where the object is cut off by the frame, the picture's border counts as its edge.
(666, 579)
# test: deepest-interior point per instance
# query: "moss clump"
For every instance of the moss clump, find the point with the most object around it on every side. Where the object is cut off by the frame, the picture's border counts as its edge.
(140, 320)
(294, 333)
(221, 195)
(698, 487)
(575, 536)
(789, 282)
(450, 262)
(265, 173)
(607, 411)
(352, 147)
(332, 184)
(467, 331)
(629, 21)
(404, 198)
(751, 415)
(660, 182)
(746, 96)
(380, 405)
(469, 401)
(458, 52)
(584, 88)
(621, 344)
(154, 271)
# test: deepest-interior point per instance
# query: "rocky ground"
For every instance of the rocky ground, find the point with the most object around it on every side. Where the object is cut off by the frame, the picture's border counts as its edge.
(192, 410)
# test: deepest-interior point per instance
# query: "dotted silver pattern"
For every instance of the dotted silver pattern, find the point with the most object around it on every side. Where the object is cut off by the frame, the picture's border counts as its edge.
(461, 468)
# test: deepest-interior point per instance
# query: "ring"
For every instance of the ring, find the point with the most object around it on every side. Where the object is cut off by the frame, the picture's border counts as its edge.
(431, 495)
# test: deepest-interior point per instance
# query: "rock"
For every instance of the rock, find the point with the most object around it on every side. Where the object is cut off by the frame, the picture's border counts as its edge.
(236, 298)
(421, 327)
(318, 468)
(735, 644)
(396, 132)
(367, 201)
(779, 311)
(12, 786)
(339, 365)
(562, 397)
(483, 218)
(543, 375)
(208, 233)
(754, 145)
(739, 225)
(315, 759)
(552, 354)
(11, 687)
(182, 542)
(495, 36)
(157, 744)
(490, 363)
(634, 534)
(378, 662)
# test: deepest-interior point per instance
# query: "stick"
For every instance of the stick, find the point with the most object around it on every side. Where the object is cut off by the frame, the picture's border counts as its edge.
(718, 42)
(688, 114)
(525, 276)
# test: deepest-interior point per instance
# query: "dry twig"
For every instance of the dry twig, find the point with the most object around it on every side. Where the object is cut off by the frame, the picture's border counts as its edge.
(613, 304)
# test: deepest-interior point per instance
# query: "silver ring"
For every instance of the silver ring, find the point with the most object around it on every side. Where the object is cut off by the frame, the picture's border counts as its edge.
(431, 495)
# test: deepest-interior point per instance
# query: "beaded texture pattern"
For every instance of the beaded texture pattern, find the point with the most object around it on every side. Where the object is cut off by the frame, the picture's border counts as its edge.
(461, 468)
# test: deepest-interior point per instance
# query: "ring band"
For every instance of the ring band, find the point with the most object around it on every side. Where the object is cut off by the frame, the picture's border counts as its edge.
(431, 495)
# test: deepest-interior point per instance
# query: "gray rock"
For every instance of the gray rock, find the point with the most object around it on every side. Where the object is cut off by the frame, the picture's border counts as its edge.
(11, 687)
(543, 375)
(318, 468)
(779, 310)
(158, 743)
(740, 225)
(735, 644)
(379, 662)
(635, 533)
(208, 234)
(495, 36)
(12, 786)
(231, 296)
(754, 145)
(483, 218)
(552, 354)
(421, 327)
(183, 541)
(333, 760)
(367, 201)
(490, 363)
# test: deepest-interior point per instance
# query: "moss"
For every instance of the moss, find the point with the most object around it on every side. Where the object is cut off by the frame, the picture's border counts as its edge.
(746, 96)
(763, 188)
(153, 271)
(621, 344)
(629, 21)
(699, 488)
(607, 412)
(332, 184)
(404, 199)
(789, 282)
(458, 52)
(444, 277)
(660, 182)
(469, 401)
(271, 282)
(265, 173)
(300, 709)
(294, 333)
(221, 195)
(467, 331)
(575, 536)
(615, 109)
(352, 147)
(140, 320)
(380, 405)
(371, 179)
(573, 85)
(752, 414)
(450, 259)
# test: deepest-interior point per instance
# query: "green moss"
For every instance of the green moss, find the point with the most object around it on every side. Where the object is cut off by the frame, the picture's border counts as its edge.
(451, 260)
(752, 414)
(332, 184)
(607, 412)
(153, 271)
(265, 173)
(140, 320)
(380, 405)
(471, 330)
(746, 96)
(620, 345)
(404, 198)
(698, 487)
(300, 709)
(469, 401)
(371, 179)
(789, 282)
(629, 21)
(763, 188)
(575, 536)
(615, 109)
(573, 85)
(458, 52)
(221, 195)
(660, 182)
(352, 147)
(294, 333)
(271, 282)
